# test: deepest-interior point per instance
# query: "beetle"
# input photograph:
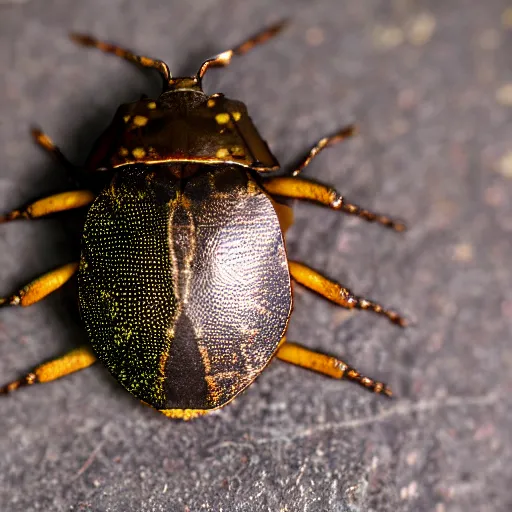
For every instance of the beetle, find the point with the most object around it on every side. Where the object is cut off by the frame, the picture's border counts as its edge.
(184, 280)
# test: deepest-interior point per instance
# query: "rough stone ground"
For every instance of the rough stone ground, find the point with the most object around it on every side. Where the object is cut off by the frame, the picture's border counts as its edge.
(430, 84)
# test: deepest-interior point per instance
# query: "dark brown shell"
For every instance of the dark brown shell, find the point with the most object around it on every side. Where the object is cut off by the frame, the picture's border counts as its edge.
(184, 285)
(182, 126)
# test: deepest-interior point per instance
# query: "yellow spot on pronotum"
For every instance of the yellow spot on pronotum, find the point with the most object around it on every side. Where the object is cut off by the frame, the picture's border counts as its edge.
(144, 61)
(151, 105)
(237, 151)
(139, 153)
(237, 116)
(123, 151)
(140, 121)
(210, 103)
(222, 153)
(126, 118)
(222, 118)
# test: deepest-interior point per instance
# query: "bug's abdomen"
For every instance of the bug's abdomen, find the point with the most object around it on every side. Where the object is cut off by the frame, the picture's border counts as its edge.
(184, 287)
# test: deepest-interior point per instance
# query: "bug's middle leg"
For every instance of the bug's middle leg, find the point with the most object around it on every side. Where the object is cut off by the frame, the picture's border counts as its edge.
(337, 293)
(41, 287)
(52, 204)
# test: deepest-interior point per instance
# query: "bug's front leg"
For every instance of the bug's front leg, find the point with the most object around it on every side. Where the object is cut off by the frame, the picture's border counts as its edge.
(299, 188)
(55, 203)
(337, 293)
(327, 365)
(71, 362)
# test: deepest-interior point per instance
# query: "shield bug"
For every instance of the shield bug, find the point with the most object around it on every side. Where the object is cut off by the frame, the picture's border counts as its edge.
(184, 281)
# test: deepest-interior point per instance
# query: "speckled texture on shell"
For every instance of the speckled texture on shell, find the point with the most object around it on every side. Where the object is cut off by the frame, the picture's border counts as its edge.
(184, 284)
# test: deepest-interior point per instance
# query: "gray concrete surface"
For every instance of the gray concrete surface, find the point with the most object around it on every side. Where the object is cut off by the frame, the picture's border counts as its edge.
(430, 84)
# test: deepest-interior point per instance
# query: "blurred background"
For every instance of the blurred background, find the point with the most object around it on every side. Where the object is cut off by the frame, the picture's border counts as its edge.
(430, 85)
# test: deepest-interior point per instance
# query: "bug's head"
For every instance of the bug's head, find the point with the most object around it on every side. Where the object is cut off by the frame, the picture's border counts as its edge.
(194, 83)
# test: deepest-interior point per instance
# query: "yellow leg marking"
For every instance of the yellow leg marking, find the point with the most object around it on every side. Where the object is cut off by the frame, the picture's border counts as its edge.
(344, 133)
(52, 204)
(77, 359)
(284, 214)
(336, 293)
(41, 287)
(298, 188)
(327, 365)
(184, 414)
(47, 144)
(145, 62)
(224, 58)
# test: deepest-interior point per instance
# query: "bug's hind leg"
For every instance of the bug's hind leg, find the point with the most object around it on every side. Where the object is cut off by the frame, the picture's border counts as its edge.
(41, 287)
(73, 361)
(344, 133)
(298, 188)
(338, 294)
(327, 365)
(123, 53)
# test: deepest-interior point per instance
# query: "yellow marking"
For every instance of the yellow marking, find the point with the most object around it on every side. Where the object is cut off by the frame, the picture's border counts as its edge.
(140, 120)
(236, 116)
(222, 118)
(69, 363)
(45, 141)
(210, 103)
(44, 285)
(237, 151)
(222, 153)
(139, 153)
(60, 202)
(183, 414)
(126, 118)
(123, 151)
(206, 360)
(146, 62)
(284, 215)
(214, 391)
(151, 105)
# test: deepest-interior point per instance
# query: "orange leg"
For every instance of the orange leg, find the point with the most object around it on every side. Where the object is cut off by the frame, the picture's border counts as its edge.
(75, 360)
(145, 62)
(47, 144)
(298, 188)
(51, 204)
(41, 287)
(344, 133)
(336, 293)
(327, 365)
(223, 59)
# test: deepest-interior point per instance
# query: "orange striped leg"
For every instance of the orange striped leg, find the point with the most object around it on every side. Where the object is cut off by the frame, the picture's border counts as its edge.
(336, 293)
(298, 188)
(123, 53)
(344, 133)
(51, 204)
(327, 365)
(41, 287)
(75, 360)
